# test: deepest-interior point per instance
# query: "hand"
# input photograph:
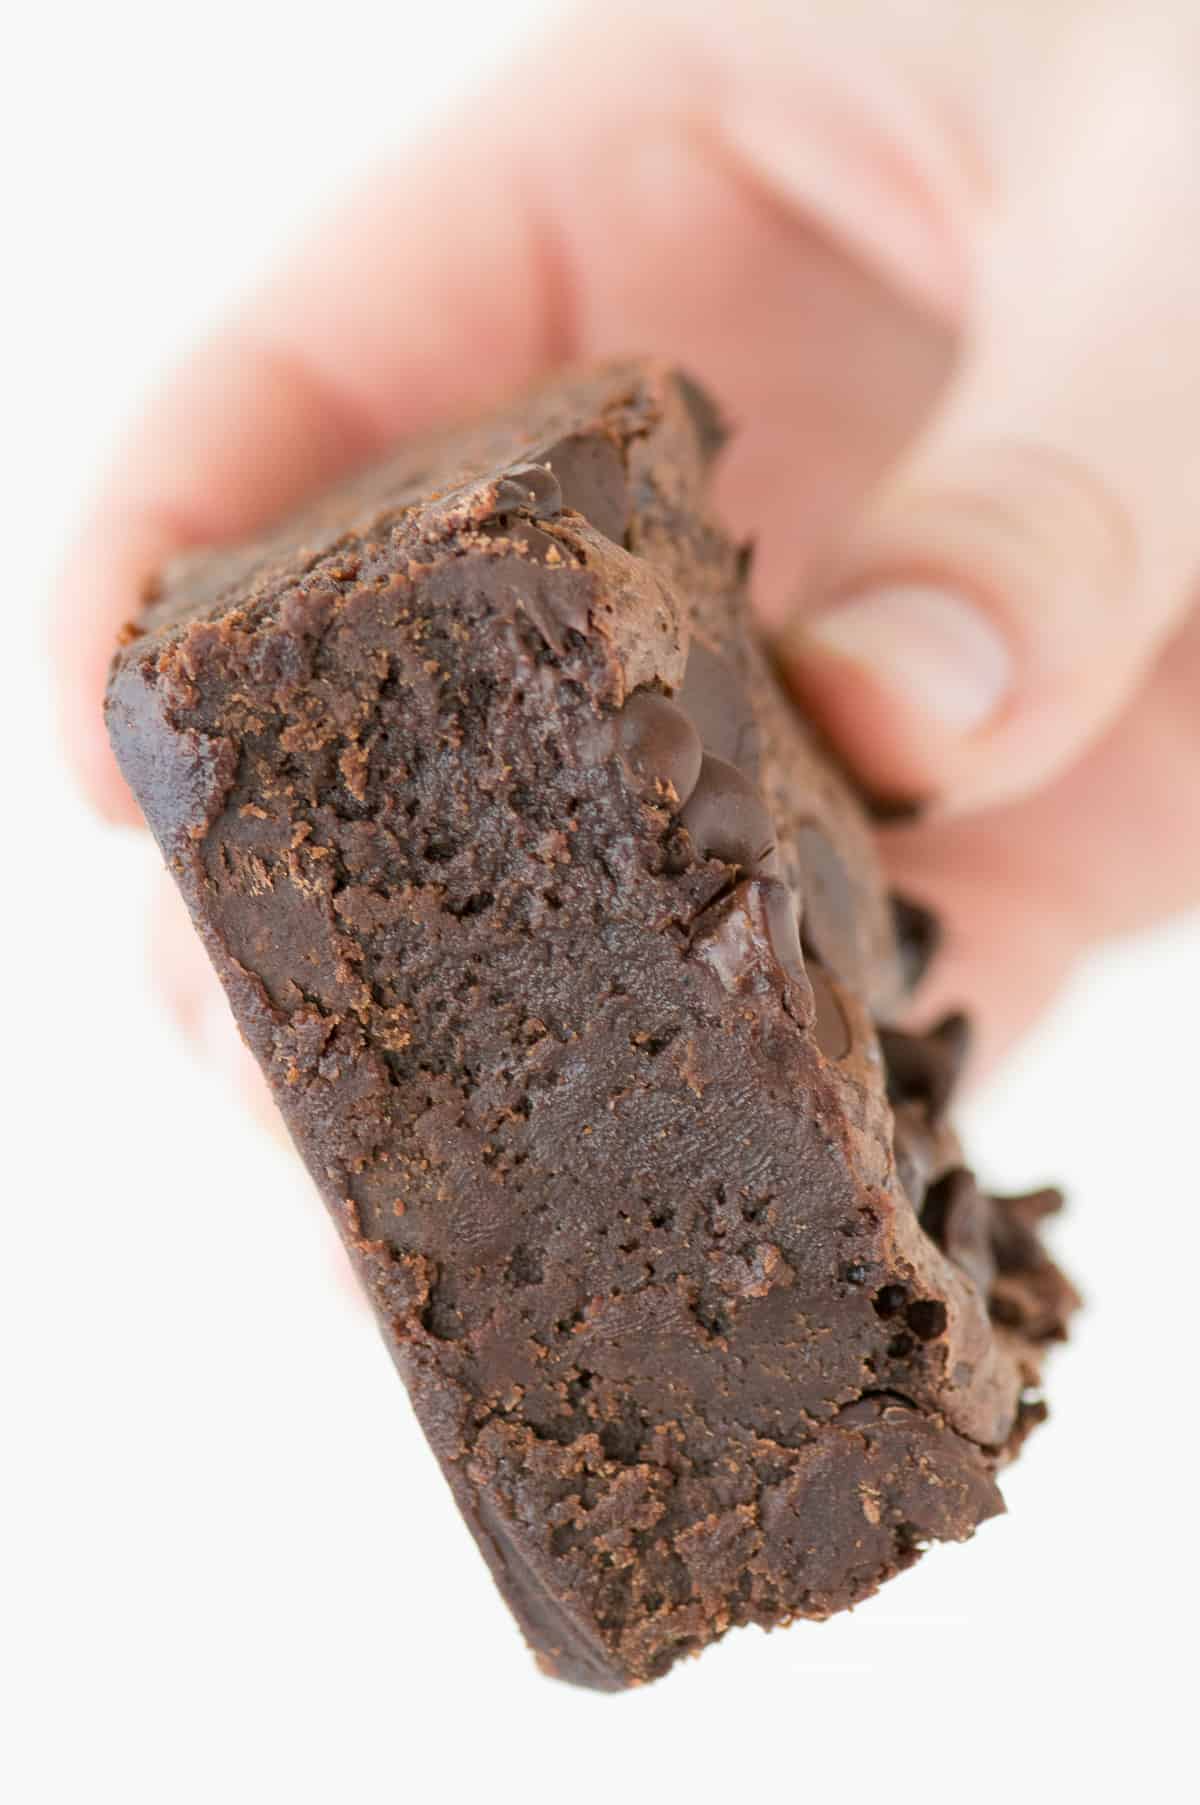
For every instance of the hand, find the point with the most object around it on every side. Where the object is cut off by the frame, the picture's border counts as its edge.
(939, 263)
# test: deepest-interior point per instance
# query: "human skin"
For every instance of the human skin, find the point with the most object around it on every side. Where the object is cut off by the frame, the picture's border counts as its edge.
(938, 265)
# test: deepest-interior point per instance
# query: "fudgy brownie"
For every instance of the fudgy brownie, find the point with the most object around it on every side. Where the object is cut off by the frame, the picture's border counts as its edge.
(565, 953)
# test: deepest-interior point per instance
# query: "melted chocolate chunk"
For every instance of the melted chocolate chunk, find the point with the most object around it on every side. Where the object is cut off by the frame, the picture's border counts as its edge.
(958, 1217)
(712, 693)
(910, 1166)
(830, 903)
(711, 430)
(831, 1029)
(750, 936)
(918, 937)
(913, 1149)
(925, 1067)
(927, 1318)
(1029, 1292)
(727, 819)
(725, 815)
(783, 926)
(661, 743)
(530, 489)
(722, 809)
(1014, 1236)
(590, 471)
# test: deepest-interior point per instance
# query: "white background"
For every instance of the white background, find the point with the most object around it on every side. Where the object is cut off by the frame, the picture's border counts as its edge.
(230, 1570)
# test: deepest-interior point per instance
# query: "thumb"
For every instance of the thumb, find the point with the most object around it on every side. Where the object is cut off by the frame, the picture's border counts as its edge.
(1007, 591)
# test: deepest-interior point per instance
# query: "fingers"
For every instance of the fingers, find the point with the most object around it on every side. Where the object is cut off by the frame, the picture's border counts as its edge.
(821, 325)
(1010, 587)
(990, 621)
(1025, 889)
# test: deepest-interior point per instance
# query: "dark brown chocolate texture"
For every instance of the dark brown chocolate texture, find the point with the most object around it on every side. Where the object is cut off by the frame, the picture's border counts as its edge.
(563, 952)
(918, 937)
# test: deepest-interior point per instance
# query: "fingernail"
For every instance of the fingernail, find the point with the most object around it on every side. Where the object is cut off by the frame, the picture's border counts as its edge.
(934, 649)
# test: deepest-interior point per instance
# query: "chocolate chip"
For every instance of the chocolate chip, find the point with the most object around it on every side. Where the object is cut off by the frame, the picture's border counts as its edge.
(1029, 1292)
(1014, 1234)
(830, 1029)
(590, 470)
(890, 1300)
(727, 819)
(926, 1317)
(749, 936)
(831, 906)
(1033, 1206)
(724, 814)
(711, 430)
(529, 489)
(925, 1067)
(713, 694)
(918, 937)
(941, 1200)
(913, 1149)
(660, 742)
(957, 1217)
(783, 927)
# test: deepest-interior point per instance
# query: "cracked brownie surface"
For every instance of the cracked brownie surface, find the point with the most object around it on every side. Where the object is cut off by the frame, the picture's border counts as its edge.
(566, 956)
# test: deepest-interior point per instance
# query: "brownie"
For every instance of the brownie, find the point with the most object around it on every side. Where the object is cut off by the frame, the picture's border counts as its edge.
(565, 953)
